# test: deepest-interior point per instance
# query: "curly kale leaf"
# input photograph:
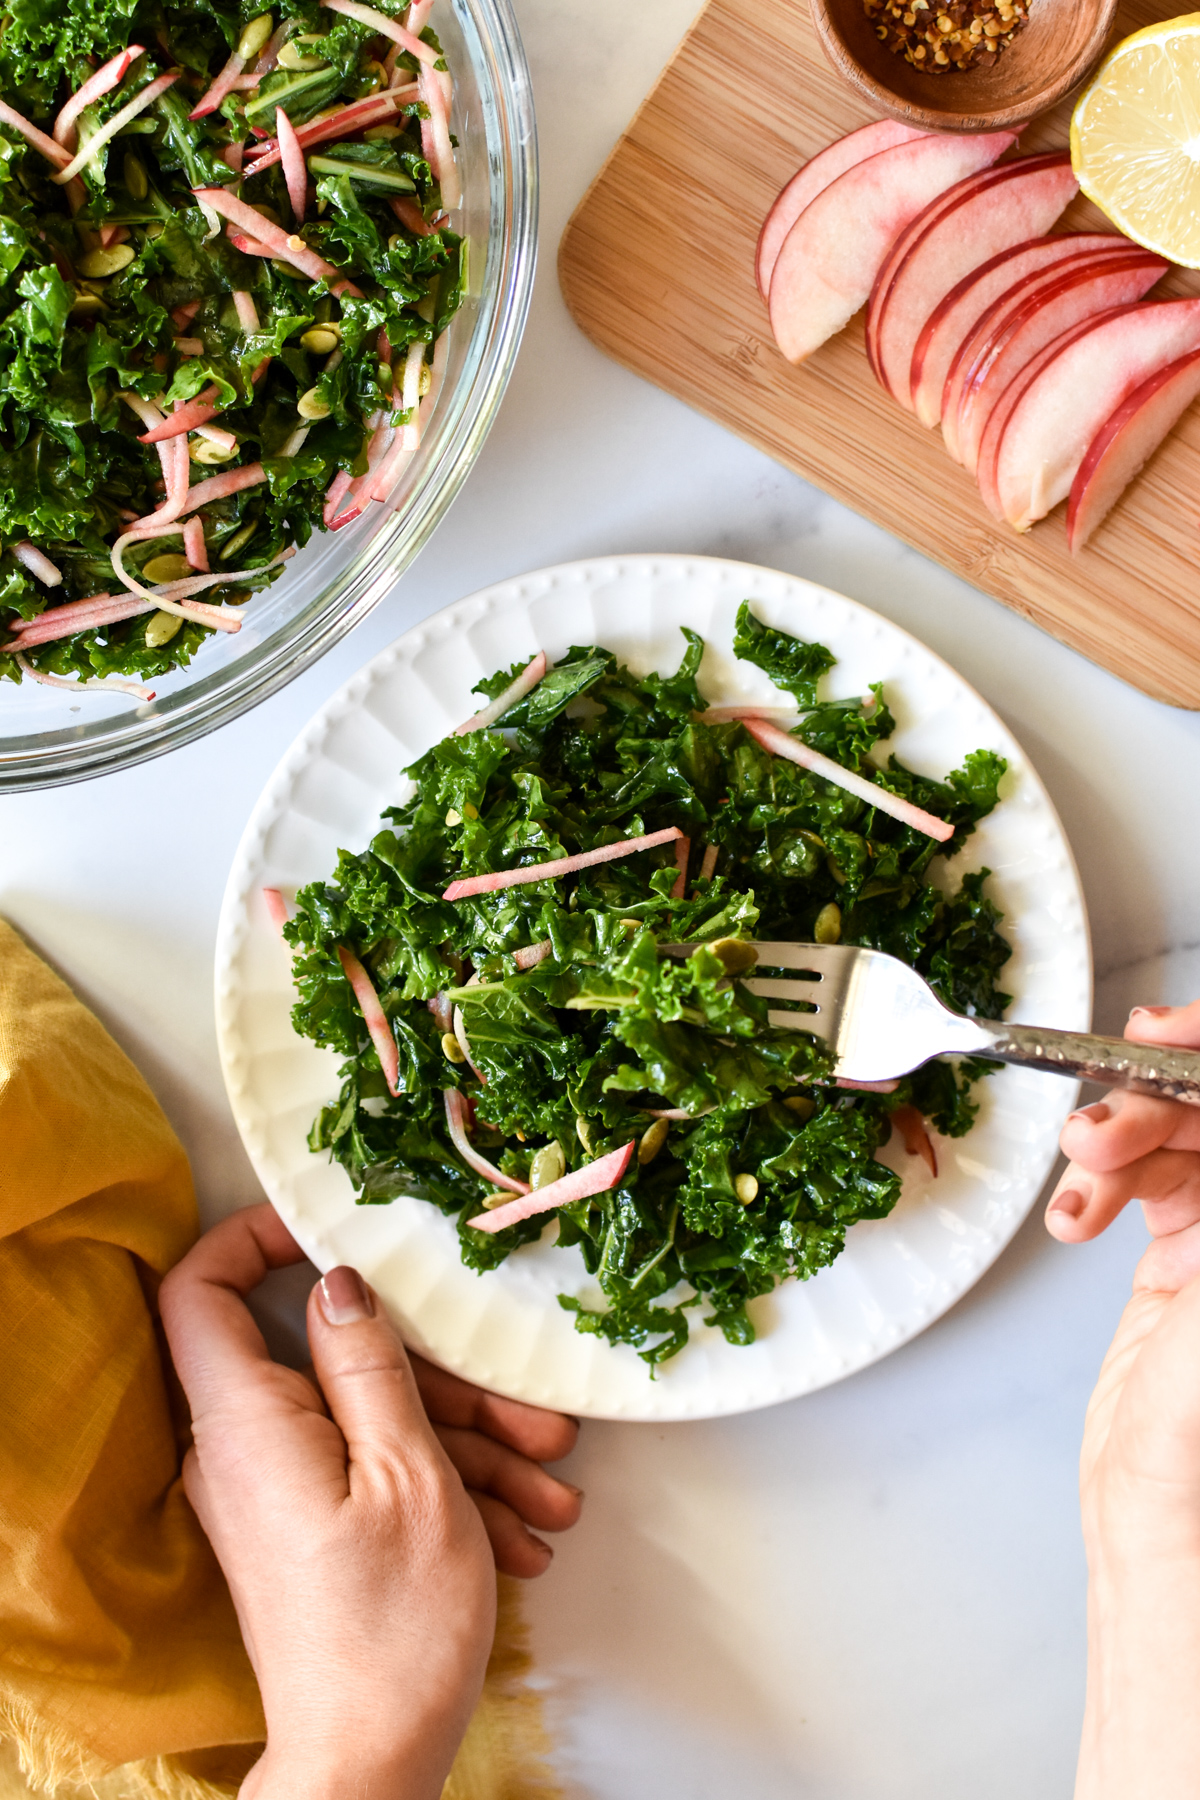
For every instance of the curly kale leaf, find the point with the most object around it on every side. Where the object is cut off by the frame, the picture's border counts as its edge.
(41, 38)
(792, 664)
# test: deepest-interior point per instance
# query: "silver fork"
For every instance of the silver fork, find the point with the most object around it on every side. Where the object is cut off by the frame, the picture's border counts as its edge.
(882, 1019)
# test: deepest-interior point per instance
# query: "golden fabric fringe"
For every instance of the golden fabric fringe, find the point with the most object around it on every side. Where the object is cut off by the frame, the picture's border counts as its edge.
(37, 1760)
(503, 1756)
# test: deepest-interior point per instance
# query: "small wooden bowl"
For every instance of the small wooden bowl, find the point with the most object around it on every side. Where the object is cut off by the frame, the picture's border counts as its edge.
(1056, 50)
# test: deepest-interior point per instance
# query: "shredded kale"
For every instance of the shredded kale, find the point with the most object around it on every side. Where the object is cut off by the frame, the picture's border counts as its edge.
(73, 472)
(578, 1050)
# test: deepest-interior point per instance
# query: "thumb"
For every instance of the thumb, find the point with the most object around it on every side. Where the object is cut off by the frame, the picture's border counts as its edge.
(1175, 1025)
(364, 1373)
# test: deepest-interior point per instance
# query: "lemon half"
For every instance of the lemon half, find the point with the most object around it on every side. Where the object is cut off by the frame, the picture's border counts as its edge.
(1135, 138)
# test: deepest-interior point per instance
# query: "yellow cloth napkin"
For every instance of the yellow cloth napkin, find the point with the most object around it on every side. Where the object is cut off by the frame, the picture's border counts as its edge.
(122, 1671)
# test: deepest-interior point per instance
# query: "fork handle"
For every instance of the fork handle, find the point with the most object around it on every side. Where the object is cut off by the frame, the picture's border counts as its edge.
(1167, 1073)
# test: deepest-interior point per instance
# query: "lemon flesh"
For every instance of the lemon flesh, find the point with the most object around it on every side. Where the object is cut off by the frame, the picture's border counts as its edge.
(1135, 138)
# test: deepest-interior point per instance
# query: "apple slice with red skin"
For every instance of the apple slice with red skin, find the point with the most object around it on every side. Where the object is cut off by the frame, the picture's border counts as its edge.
(1011, 204)
(1060, 413)
(898, 250)
(906, 240)
(1126, 442)
(1021, 308)
(814, 178)
(956, 317)
(987, 334)
(1081, 291)
(985, 473)
(900, 246)
(831, 256)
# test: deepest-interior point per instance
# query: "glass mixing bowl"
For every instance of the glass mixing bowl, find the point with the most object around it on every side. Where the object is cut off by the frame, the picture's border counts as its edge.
(49, 735)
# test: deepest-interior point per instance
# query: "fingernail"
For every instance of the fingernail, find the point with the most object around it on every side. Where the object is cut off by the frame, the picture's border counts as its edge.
(1094, 1114)
(1071, 1202)
(540, 1543)
(1150, 1012)
(344, 1297)
(572, 1489)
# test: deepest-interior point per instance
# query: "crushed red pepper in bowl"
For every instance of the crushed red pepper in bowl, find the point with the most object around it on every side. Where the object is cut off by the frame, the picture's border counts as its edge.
(942, 39)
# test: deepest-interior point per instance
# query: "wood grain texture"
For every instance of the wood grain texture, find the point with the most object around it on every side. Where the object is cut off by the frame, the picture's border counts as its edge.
(657, 267)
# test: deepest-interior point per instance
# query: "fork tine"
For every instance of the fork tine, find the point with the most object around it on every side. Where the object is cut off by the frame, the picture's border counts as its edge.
(819, 1024)
(817, 962)
(799, 992)
(820, 959)
(817, 1019)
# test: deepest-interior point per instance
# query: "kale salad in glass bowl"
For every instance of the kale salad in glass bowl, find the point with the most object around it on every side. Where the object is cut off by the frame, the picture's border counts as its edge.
(262, 278)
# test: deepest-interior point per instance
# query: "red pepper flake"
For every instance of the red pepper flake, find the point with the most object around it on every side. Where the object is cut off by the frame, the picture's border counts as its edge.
(936, 39)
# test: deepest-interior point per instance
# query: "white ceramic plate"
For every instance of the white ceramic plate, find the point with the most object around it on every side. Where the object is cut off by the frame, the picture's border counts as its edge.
(505, 1329)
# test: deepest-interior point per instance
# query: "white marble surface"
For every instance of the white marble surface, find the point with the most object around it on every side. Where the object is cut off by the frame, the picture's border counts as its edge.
(876, 1593)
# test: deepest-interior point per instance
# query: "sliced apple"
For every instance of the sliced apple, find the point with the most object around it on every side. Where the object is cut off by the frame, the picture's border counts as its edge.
(906, 240)
(988, 332)
(985, 473)
(813, 178)
(955, 318)
(832, 254)
(1062, 410)
(1126, 442)
(899, 249)
(1080, 292)
(981, 216)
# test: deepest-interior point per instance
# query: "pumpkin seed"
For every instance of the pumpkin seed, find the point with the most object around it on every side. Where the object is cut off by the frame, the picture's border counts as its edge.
(136, 179)
(100, 264)
(238, 541)
(292, 56)
(652, 1141)
(161, 628)
(736, 954)
(170, 567)
(311, 405)
(321, 339)
(548, 1165)
(253, 40)
(828, 928)
(205, 452)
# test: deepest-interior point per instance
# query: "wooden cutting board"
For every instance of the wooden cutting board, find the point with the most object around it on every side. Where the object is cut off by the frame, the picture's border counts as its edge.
(657, 266)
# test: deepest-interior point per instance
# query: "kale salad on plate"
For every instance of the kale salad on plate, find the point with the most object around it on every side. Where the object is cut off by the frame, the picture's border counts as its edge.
(518, 1045)
(227, 269)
